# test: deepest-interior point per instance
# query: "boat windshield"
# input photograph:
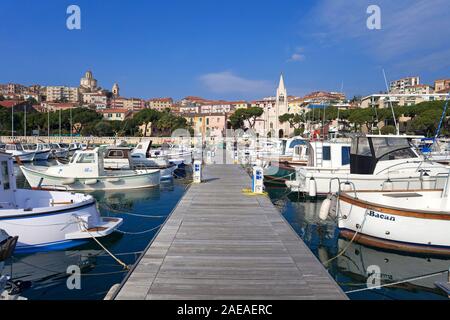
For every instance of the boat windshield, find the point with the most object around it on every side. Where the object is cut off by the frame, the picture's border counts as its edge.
(86, 158)
(386, 148)
(361, 147)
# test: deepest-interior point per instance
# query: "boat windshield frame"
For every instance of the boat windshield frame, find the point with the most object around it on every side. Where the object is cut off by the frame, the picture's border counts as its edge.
(367, 151)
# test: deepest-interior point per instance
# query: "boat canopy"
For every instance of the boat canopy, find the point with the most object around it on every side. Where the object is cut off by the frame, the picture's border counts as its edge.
(367, 151)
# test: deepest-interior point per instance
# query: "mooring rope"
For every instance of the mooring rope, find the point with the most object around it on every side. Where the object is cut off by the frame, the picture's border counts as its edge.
(83, 224)
(140, 232)
(351, 241)
(106, 207)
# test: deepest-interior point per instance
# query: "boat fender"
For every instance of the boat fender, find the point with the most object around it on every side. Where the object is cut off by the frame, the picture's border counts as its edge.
(312, 187)
(90, 181)
(325, 208)
(388, 185)
(68, 181)
(333, 207)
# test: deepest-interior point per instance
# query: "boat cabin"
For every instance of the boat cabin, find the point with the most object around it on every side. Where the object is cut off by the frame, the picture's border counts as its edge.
(83, 164)
(14, 147)
(7, 181)
(117, 158)
(328, 154)
(288, 145)
(367, 152)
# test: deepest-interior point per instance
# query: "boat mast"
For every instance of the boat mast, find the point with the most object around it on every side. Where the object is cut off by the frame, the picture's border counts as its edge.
(397, 128)
(12, 123)
(444, 112)
(59, 124)
(25, 121)
(48, 124)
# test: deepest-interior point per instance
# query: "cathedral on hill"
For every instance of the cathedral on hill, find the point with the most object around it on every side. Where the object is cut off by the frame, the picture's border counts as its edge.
(88, 83)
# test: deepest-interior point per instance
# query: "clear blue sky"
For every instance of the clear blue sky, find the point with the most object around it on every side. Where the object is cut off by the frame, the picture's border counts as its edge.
(224, 49)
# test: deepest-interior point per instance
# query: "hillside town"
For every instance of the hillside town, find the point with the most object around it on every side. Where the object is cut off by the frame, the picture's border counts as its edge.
(212, 117)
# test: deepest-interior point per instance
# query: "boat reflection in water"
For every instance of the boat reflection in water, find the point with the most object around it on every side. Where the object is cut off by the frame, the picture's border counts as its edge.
(356, 265)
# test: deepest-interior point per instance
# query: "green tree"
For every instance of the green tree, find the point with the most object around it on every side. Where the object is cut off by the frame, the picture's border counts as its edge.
(238, 118)
(147, 116)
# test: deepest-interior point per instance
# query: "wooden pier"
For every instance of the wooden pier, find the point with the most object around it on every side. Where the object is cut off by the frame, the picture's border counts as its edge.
(220, 243)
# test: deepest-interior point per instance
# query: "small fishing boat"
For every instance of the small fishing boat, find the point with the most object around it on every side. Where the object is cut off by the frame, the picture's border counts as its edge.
(58, 151)
(406, 220)
(85, 172)
(48, 220)
(17, 151)
(42, 153)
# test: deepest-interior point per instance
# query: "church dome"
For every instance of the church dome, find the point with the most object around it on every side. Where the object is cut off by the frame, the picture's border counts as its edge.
(88, 74)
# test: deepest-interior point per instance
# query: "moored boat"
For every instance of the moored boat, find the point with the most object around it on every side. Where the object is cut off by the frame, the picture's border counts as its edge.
(85, 172)
(376, 162)
(405, 220)
(17, 151)
(47, 220)
(123, 158)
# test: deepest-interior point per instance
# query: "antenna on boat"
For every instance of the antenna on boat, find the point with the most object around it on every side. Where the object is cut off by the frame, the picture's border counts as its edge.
(390, 103)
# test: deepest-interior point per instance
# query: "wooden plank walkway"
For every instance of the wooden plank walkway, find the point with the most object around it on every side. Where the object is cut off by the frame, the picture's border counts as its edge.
(221, 244)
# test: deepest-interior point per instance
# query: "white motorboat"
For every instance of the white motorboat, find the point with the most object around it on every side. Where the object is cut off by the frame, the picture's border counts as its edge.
(180, 155)
(42, 152)
(48, 220)
(122, 158)
(376, 162)
(407, 220)
(58, 151)
(85, 172)
(17, 152)
(323, 156)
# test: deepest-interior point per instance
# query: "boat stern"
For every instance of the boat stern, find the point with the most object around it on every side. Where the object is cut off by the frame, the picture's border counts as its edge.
(103, 227)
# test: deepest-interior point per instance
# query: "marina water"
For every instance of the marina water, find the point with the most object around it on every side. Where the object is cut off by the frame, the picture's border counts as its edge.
(146, 209)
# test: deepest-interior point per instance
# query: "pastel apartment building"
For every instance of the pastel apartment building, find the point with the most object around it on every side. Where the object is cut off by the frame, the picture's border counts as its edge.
(160, 104)
(208, 125)
(127, 103)
(399, 86)
(62, 93)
